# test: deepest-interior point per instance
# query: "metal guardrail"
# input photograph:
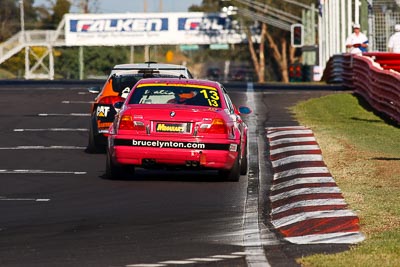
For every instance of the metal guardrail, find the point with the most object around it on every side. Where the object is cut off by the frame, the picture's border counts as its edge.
(378, 85)
(11, 47)
(30, 38)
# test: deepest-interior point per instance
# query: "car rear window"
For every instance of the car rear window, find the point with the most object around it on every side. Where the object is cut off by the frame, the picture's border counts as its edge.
(120, 82)
(176, 94)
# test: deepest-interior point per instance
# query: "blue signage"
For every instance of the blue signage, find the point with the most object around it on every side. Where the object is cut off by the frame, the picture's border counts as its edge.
(119, 25)
(206, 23)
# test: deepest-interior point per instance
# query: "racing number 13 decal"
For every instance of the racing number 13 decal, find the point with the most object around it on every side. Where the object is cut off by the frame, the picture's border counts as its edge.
(211, 96)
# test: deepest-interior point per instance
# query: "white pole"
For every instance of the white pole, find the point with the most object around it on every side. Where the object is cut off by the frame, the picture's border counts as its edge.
(21, 6)
(326, 26)
(51, 63)
(27, 63)
(333, 26)
(371, 28)
(21, 10)
(146, 53)
(343, 26)
(81, 63)
(321, 40)
(349, 17)
(331, 30)
(357, 11)
(132, 59)
(336, 29)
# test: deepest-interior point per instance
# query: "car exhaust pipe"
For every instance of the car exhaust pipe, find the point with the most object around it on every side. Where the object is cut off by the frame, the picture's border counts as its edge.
(192, 163)
(195, 164)
(148, 162)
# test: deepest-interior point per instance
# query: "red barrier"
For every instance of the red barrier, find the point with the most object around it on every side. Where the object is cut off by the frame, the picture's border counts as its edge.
(372, 76)
(386, 60)
(307, 206)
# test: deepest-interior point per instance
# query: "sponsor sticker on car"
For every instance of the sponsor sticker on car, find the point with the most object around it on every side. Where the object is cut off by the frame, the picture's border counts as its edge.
(173, 127)
(174, 144)
(102, 111)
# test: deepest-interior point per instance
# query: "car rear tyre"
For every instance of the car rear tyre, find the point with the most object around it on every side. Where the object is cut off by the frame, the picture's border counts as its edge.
(244, 163)
(93, 143)
(233, 174)
(114, 171)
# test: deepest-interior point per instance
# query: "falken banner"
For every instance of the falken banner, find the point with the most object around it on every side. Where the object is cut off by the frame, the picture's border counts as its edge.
(151, 29)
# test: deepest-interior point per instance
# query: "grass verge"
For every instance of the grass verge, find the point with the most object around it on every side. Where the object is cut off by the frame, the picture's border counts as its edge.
(362, 152)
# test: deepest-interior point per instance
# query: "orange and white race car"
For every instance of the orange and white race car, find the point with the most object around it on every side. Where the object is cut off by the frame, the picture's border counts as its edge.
(116, 88)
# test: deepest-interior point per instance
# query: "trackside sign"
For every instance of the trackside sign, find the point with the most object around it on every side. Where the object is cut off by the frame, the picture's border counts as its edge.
(150, 29)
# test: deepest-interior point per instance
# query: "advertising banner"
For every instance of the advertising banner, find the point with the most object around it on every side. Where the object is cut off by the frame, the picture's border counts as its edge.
(191, 28)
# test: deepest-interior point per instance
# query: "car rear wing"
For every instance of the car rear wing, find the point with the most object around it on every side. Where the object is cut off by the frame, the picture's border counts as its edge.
(150, 68)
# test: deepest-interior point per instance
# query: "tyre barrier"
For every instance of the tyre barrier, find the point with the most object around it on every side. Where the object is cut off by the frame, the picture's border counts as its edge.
(307, 206)
(387, 61)
(378, 86)
(373, 76)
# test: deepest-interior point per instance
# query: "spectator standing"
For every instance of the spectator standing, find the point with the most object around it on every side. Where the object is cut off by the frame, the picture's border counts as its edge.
(357, 42)
(394, 40)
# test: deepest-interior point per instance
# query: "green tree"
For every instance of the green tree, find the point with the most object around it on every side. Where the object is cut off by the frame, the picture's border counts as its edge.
(50, 18)
(207, 6)
(30, 14)
(9, 18)
(60, 8)
(16, 63)
(34, 17)
(274, 46)
(98, 60)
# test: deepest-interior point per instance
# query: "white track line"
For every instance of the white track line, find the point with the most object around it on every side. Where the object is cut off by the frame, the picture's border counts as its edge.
(41, 147)
(25, 199)
(76, 102)
(53, 130)
(5, 171)
(255, 254)
(64, 115)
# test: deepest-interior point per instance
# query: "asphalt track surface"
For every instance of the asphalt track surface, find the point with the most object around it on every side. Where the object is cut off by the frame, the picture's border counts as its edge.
(57, 209)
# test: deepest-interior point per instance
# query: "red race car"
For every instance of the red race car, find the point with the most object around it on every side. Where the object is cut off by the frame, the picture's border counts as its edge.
(178, 123)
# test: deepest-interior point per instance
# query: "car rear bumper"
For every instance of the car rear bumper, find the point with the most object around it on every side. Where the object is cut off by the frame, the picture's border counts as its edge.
(151, 156)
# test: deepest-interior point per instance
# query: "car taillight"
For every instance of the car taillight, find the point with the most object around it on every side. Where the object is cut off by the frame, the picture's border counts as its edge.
(110, 100)
(139, 126)
(217, 126)
(126, 123)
